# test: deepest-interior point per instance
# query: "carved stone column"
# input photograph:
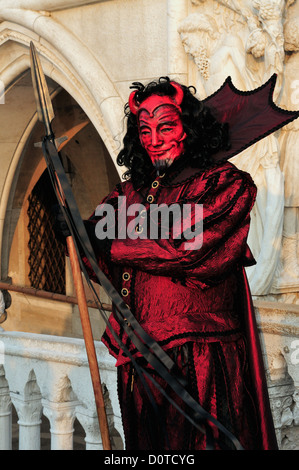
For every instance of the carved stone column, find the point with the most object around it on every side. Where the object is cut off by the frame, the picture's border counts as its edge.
(61, 417)
(5, 413)
(281, 404)
(29, 413)
(90, 424)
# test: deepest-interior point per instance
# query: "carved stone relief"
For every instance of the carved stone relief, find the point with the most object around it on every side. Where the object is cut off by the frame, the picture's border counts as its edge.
(288, 278)
(250, 40)
(246, 40)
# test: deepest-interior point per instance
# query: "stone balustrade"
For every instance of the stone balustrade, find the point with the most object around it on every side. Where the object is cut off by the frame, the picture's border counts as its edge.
(48, 376)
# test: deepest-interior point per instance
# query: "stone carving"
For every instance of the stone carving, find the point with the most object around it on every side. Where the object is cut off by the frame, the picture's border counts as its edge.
(251, 40)
(288, 276)
(285, 415)
(200, 37)
(296, 408)
(246, 41)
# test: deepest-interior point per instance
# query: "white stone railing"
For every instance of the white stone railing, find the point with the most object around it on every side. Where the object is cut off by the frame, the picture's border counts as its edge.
(48, 376)
(43, 375)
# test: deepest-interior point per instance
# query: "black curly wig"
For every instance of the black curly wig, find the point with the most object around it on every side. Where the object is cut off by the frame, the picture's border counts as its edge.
(205, 135)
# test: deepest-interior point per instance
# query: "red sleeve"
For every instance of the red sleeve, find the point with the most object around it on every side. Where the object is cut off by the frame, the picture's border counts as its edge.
(226, 218)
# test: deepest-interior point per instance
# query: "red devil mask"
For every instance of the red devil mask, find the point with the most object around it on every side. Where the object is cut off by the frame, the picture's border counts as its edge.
(160, 126)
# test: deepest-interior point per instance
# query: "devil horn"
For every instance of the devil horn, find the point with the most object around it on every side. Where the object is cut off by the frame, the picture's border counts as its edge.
(178, 97)
(132, 102)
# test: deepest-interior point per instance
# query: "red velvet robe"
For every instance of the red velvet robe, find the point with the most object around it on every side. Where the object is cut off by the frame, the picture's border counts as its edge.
(196, 304)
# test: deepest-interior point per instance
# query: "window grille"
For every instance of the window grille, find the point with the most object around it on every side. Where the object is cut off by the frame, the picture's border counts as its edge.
(46, 254)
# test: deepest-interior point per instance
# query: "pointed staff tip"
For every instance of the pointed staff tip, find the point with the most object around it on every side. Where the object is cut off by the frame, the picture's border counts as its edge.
(42, 96)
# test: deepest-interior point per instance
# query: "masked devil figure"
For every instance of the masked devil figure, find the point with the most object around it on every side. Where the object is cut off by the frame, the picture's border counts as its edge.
(191, 296)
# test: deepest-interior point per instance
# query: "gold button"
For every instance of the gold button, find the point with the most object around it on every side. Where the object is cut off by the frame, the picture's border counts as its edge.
(150, 198)
(126, 276)
(138, 229)
(124, 292)
(143, 214)
(155, 184)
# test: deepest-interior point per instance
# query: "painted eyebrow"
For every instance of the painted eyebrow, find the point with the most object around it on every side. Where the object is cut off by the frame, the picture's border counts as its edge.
(162, 123)
(168, 123)
(143, 125)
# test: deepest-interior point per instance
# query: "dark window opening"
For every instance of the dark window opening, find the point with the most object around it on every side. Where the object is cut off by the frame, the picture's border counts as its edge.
(46, 254)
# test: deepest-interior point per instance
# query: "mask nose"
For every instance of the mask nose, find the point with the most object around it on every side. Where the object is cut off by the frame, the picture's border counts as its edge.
(156, 139)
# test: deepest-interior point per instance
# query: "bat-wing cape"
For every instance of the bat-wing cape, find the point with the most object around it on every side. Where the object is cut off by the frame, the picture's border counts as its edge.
(251, 115)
